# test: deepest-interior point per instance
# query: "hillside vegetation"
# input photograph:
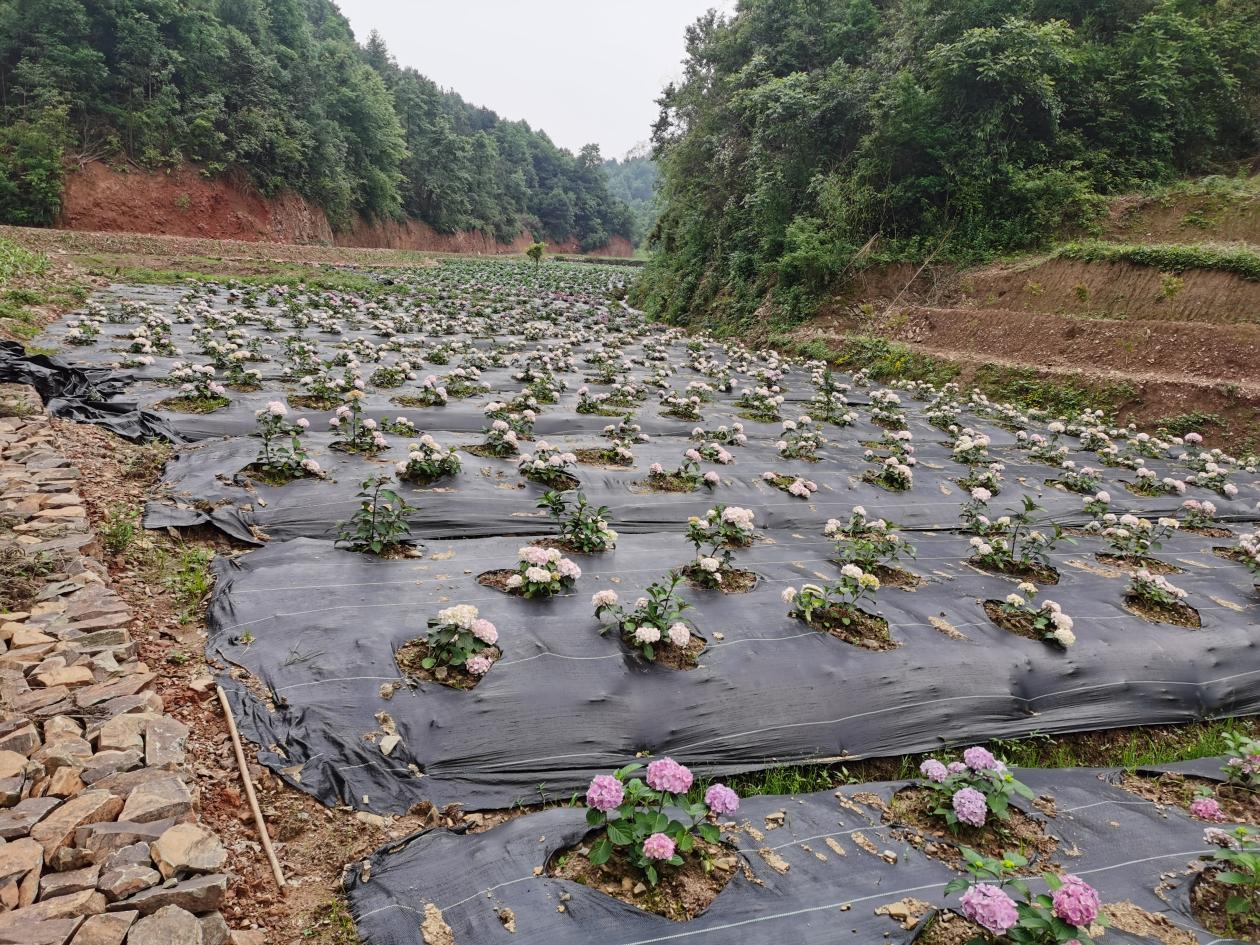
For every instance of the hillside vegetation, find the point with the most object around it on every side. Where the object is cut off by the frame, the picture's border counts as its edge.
(807, 141)
(278, 89)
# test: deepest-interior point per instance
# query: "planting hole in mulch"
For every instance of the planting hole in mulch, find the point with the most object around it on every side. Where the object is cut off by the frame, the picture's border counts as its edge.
(414, 403)
(1174, 789)
(949, 928)
(681, 894)
(1131, 564)
(271, 477)
(1181, 615)
(1038, 574)
(668, 655)
(410, 658)
(1210, 531)
(559, 481)
(1230, 554)
(912, 807)
(1208, 899)
(192, 404)
(734, 581)
(311, 402)
(598, 456)
(670, 482)
(1020, 624)
(895, 577)
(874, 480)
(868, 631)
(485, 452)
(562, 544)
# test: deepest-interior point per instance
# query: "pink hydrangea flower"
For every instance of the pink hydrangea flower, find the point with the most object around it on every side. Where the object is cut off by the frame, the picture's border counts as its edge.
(485, 631)
(478, 665)
(990, 907)
(666, 774)
(933, 770)
(1207, 808)
(605, 793)
(1075, 902)
(970, 807)
(980, 759)
(658, 847)
(721, 799)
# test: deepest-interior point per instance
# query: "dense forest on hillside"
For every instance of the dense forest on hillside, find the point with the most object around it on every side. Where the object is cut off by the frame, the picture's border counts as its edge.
(808, 138)
(633, 181)
(280, 90)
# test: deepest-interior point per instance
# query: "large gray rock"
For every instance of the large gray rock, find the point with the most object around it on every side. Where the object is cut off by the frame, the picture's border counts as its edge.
(169, 925)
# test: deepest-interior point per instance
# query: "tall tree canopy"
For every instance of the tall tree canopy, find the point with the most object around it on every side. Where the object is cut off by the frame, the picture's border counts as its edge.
(808, 135)
(281, 90)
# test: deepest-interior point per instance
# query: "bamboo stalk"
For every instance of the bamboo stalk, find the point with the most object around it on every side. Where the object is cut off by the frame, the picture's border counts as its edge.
(249, 792)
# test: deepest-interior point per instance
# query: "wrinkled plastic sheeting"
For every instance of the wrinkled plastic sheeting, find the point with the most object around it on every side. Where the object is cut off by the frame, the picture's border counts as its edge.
(83, 394)
(317, 629)
(1123, 846)
(490, 498)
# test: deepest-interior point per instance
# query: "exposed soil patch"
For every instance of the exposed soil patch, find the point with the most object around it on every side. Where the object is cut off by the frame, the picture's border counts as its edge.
(415, 403)
(682, 893)
(559, 481)
(1038, 574)
(913, 806)
(875, 480)
(562, 544)
(410, 658)
(950, 928)
(498, 580)
(1135, 920)
(734, 581)
(485, 452)
(1174, 789)
(670, 656)
(1211, 531)
(598, 456)
(896, 577)
(1230, 554)
(1208, 898)
(271, 477)
(1131, 564)
(189, 404)
(311, 402)
(670, 482)
(854, 626)
(1020, 624)
(1182, 615)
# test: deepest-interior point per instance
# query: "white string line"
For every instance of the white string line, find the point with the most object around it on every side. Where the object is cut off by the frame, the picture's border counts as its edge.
(889, 895)
(965, 569)
(359, 605)
(507, 766)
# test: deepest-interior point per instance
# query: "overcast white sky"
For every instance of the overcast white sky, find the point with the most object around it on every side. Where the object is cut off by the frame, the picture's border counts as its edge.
(581, 70)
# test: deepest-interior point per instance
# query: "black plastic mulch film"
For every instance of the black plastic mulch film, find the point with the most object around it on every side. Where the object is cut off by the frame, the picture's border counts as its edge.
(317, 627)
(838, 872)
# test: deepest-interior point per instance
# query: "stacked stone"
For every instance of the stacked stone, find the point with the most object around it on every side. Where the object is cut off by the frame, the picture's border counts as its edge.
(99, 839)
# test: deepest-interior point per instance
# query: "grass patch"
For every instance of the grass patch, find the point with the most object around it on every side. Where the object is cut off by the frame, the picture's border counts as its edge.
(884, 360)
(1025, 388)
(1128, 748)
(17, 261)
(314, 278)
(331, 924)
(1169, 257)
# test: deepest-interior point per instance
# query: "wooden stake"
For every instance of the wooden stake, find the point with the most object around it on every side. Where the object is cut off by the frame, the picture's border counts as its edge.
(249, 793)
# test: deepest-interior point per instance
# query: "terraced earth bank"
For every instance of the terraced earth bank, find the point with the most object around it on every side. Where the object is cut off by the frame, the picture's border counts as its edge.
(662, 434)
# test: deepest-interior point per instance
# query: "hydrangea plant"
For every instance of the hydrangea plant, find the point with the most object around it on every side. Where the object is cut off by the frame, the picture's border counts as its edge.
(655, 620)
(968, 791)
(650, 820)
(458, 637)
(1064, 914)
(427, 461)
(582, 526)
(543, 572)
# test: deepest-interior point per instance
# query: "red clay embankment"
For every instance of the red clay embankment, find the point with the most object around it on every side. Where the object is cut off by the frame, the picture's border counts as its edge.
(184, 202)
